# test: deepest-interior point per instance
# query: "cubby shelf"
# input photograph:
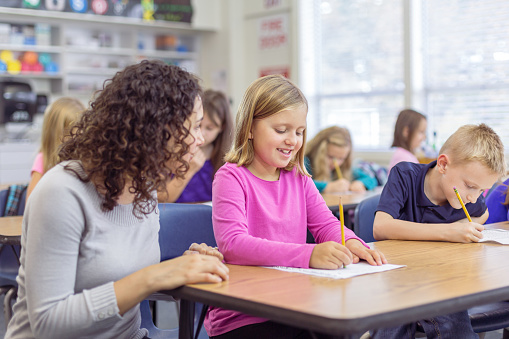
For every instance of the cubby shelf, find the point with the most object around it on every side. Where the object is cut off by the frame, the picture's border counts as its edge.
(91, 48)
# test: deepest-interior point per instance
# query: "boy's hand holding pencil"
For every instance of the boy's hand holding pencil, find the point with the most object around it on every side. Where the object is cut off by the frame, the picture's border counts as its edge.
(465, 233)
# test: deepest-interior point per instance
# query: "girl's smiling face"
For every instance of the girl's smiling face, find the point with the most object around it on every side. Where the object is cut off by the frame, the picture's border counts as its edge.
(276, 140)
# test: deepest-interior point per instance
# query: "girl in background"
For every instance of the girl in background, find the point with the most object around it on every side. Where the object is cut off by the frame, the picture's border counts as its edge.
(332, 147)
(409, 133)
(58, 118)
(217, 125)
(263, 202)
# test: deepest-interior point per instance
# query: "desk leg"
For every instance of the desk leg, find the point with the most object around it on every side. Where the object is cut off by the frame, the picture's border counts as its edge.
(186, 319)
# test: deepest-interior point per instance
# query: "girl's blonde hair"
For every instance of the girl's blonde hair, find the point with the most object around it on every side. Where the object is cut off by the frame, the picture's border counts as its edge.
(58, 118)
(265, 97)
(316, 151)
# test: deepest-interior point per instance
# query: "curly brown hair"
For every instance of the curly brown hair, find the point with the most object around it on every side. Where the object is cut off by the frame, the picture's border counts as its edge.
(124, 136)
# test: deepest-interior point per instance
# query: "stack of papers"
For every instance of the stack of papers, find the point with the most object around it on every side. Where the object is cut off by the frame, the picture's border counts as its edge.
(496, 235)
(342, 273)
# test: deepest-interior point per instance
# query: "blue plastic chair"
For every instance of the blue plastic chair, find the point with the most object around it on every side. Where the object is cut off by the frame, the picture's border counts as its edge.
(181, 225)
(3, 201)
(485, 318)
(364, 217)
(147, 322)
(9, 261)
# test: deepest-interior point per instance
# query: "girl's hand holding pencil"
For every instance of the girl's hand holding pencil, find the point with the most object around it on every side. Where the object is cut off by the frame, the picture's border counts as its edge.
(330, 255)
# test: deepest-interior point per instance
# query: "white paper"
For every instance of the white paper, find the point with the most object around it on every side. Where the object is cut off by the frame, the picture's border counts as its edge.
(497, 235)
(342, 273)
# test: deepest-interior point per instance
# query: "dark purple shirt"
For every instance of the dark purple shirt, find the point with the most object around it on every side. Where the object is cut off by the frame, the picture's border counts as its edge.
(199, 188)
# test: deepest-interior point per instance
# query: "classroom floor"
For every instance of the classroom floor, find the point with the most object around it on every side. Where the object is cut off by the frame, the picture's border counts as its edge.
(167, 318)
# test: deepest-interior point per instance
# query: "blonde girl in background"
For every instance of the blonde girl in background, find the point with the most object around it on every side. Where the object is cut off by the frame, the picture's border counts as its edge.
(330, 149)
(409, 133)
(58, 119)
(217, 126)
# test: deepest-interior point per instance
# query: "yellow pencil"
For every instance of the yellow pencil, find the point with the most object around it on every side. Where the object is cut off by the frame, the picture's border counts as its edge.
(338, 170)
(462, 204)
(342, 219)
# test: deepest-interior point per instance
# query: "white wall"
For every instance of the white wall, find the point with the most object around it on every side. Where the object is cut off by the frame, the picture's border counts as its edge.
(231, 57)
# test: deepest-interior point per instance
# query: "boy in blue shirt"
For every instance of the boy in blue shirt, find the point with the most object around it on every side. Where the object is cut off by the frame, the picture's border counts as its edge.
(419, 203)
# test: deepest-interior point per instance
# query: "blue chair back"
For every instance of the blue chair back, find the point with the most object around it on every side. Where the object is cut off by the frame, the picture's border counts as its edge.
(4, 195)
(364, 218)
(3, 201)
(183, 224)
(9, 264)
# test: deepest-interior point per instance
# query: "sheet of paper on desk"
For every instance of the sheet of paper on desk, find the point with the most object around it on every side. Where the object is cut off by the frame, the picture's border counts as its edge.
(496, 235)
(342, 273)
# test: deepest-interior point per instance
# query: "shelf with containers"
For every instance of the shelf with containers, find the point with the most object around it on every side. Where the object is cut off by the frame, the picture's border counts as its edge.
(85, 49)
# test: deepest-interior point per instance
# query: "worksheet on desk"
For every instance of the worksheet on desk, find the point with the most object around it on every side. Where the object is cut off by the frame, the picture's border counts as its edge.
(342, 273)
(496, 235)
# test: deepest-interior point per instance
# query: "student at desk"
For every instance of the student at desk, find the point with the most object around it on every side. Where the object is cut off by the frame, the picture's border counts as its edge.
(419, 203)
(264, 201)
(90, 250)
(329, 161)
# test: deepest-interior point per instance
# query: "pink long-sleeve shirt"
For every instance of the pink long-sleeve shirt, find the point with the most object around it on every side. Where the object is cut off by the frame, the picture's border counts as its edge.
(264, 223)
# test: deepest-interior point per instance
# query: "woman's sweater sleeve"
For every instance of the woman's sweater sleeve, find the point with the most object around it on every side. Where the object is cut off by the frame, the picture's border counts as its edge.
(53, 231)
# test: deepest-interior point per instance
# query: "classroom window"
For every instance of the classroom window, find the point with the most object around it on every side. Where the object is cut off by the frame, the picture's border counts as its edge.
(362, 61)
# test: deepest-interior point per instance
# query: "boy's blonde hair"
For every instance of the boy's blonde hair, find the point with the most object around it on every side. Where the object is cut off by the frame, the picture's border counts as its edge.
(265, 97)
(316, 151)
(58, 118)
(476, 143)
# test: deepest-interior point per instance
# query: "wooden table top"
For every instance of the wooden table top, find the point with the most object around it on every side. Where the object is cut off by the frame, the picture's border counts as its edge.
(439, 278)
(10, 230)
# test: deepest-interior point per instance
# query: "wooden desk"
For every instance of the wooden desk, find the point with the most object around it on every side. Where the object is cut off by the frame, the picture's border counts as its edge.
(350, 202)
(439, 278)
(10, 230)
(350, 199)
(10, 233)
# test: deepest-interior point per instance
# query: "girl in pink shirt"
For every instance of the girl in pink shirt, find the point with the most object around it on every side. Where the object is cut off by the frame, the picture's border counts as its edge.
(264, 201)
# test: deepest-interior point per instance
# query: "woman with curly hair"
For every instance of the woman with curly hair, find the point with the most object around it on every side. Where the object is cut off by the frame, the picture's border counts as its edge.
(90, 249)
